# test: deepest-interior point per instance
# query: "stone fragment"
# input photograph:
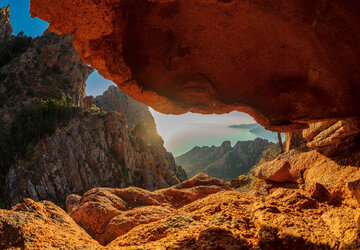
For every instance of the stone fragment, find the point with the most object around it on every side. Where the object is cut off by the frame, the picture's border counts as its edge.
(274, 171)
(328, 135)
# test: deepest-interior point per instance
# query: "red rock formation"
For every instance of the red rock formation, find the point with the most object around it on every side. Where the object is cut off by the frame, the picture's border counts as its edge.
(41, 225)
(218, 218)
(322, 134)
(335, 167)
(285, 62)
(106, 213)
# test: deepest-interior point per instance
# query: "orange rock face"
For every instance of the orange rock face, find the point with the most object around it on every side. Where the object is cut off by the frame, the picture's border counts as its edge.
(41, 225)
(285, 62)
(106, 213)
(133, 218)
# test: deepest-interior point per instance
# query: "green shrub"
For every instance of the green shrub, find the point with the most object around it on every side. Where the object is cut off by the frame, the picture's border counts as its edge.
(95, 108)
(38, 120)
(46, 73)
(31, 92)
(56, 69)
(125, 172)
(9, 49)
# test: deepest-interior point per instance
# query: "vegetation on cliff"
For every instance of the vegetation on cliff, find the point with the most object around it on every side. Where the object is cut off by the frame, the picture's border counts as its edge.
(30, 125)
(11, 48)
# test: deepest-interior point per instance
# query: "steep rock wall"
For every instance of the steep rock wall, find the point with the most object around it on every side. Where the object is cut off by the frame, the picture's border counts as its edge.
(93, 150)
(113, 99)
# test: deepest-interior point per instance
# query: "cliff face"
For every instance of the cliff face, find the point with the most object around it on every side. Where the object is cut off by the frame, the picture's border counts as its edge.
(224, 162)
(5, 26)
(93, 150)
(287, 63)
(50, 146)
(114, 99)
(44, 67)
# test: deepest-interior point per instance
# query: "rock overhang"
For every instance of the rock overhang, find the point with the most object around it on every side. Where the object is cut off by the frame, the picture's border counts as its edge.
(285, 63)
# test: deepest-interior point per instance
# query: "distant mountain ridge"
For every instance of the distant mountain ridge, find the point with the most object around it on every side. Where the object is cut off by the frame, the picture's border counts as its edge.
(245, 126)
(224, 162)
(256, 129)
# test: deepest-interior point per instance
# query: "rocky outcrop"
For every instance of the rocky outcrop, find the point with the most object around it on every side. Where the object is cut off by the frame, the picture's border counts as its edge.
(322, 134)
(336, 167)
(286, 62)
(224, 162)
(51, 146)
(5, 26)
(41, 225)
(209, 216)
(113, 99)
(92, 150)
(107, 213)
(44, 67)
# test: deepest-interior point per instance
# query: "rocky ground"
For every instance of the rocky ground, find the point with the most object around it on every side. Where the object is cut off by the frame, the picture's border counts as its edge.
(201, 213)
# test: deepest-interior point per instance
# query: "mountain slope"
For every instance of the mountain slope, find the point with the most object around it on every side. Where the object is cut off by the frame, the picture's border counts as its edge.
(224, 162)
(51, 146)
(114, 99)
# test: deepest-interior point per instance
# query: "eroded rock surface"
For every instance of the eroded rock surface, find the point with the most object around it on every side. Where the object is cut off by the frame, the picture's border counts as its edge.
(41, 225)
(212, 216)
(322, 134)
(283, 62)
(335, 167)
(107, 213)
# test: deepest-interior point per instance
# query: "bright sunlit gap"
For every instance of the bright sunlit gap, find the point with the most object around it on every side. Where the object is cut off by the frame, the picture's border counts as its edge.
(183, 132)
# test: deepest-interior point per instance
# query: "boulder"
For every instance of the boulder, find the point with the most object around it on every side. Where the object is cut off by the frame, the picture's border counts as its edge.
(278, 171)
(41, 225)
(106, 213)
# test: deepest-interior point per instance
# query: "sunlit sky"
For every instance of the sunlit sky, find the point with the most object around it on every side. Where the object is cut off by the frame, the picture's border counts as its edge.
(175, 130)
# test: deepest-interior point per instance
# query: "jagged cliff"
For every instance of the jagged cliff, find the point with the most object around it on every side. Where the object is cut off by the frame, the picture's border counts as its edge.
(92, 150)
(114, 99)
(224, 162)
(44, 67)
(51, 146)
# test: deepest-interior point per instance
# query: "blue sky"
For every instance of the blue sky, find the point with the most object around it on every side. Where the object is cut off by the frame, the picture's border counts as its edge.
(175, 130)
(21, 20)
